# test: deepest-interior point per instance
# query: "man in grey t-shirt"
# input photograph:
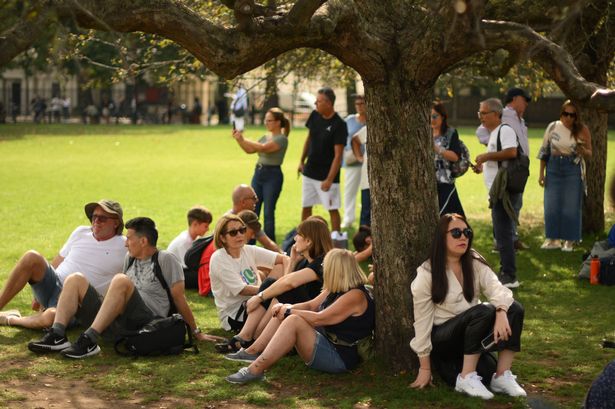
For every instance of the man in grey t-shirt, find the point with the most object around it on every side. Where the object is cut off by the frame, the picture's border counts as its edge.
(133, 299)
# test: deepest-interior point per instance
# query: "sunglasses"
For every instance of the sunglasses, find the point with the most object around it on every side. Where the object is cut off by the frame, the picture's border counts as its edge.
(570, 114)
(234, 232)
(101, 218)
(457, 232)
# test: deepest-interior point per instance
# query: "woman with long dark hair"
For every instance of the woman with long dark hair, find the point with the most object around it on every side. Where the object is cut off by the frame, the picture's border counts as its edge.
(447, 151)
(566, 145)
(453, 329)
(268, 177)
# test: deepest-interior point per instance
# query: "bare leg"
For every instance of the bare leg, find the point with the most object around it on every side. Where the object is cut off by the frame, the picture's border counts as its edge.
(263, 339)
(469, 364)
(119, 292)
(30, 268)
(276, 272)
(335, 220)
(264, 319)
(37, 321)
(72, 295)
(305, 213)
(249, 327)
(294, 331)
(505, 360)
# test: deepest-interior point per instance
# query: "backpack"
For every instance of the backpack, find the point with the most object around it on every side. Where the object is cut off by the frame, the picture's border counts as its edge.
(607, 271)
(462, 165)
(192, 259)
(517, 170)
(162, 336)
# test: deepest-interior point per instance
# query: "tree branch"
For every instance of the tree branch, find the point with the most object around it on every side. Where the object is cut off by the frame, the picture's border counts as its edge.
(555, 60)
(303, 10)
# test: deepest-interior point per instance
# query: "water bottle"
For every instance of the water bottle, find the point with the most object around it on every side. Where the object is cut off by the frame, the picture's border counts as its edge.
(594, 270)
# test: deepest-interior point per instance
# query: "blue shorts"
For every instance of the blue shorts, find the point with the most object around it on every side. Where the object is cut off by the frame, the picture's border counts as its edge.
(325, 357)
(47, 291)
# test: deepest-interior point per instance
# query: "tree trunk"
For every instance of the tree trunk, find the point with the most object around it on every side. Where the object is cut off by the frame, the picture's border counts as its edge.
(404, 209)
(593, 203)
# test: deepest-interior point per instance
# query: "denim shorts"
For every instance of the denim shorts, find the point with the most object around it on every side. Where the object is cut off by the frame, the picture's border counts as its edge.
(47, 291)
(325, 357)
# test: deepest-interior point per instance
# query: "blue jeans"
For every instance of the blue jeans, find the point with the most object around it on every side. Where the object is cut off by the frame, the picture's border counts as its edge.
(267, 183)
(504, 231)
(563, 199)
(366, 208)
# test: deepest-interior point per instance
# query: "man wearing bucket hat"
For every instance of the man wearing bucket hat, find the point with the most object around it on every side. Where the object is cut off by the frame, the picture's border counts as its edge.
(97, 251)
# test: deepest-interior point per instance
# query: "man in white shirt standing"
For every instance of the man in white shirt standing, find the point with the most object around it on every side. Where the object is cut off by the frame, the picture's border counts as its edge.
(516, 101)
(199, 219)
(490, 114)
(97, 251)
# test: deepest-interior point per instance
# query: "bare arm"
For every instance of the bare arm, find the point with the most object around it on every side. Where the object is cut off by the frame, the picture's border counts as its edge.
(351, 303)
(179, 298)
(361, 256)
(304, 153)
(541, 175)
(269, 244)
(251, 146)
(335, 167)
(498, 156)
(57, 260)
(584, 148)
(249, 290)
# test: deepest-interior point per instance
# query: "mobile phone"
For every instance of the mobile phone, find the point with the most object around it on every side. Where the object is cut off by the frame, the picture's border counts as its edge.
(488, 342)
(234, 126)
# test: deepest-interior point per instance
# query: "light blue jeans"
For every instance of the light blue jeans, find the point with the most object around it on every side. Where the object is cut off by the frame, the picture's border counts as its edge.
(563, 199)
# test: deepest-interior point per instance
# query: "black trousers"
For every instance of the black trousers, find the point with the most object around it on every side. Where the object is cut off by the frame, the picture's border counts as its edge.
(462, 335)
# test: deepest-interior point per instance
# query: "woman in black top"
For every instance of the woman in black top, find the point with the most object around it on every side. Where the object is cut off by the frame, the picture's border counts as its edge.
(324, 330)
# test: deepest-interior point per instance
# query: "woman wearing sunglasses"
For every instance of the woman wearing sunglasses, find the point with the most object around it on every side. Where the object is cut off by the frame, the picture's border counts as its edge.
(324, 330)
(453, 329)
(447, 150)
(302, 281)
(565, 147)
(233, 270)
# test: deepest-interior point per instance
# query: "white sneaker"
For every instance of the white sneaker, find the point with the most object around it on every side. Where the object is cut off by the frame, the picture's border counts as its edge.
(551, 244)
(507, 383)
(471, 385)
(568, 246)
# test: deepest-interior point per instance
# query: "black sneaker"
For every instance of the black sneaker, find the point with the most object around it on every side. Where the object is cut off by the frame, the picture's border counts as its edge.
(51, 342)
(508, 281)
(84, 347)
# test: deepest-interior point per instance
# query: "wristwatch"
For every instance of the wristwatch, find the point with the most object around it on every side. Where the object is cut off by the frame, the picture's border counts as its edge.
(196, 331)
(261, 296)
(287, 312)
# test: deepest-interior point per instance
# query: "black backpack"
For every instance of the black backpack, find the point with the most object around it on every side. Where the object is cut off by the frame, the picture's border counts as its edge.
(162, 336)
(192, 259)
(517, 170)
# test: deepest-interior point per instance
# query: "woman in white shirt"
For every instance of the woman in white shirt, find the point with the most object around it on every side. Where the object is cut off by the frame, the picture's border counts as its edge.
(452, 327)
(566, 146)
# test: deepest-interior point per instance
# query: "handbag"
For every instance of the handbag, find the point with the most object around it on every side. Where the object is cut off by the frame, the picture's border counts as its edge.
(517, 169)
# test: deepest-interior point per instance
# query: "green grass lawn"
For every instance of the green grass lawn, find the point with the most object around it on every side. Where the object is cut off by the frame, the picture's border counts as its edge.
(47, 174)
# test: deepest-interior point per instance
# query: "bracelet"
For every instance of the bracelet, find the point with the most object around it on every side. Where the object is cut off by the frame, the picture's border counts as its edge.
(196, 331)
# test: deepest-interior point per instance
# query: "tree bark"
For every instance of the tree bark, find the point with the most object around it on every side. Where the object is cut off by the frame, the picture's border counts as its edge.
(404, 210)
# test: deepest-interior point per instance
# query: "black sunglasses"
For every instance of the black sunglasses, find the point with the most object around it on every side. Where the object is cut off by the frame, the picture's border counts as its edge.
(457, 232)
(233, 233)
(570, 114)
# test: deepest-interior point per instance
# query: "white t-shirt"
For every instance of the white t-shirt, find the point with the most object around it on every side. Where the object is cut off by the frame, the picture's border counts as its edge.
(180, 245)
(229, 276)
(99, 261)
(362, 136)
(508, 139)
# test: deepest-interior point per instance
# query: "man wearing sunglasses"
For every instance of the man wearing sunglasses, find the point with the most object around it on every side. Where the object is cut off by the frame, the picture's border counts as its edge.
(502, 213)
(245, 198)
(96, 251)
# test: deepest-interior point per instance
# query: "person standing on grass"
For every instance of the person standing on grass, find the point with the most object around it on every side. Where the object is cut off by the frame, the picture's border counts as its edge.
(134, 298)
(352, 175)
(502, 216)
(97, 251)
(451, 322)
(321, 159)
(199, 219)
(268, 177)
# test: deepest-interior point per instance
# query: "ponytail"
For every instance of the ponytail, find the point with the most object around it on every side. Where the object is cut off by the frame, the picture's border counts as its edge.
(278, 114)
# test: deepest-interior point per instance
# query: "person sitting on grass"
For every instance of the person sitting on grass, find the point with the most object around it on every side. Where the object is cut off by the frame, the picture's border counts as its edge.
(322, 330)
(362, 242)
(96, 250)
(450, 322)
(133, 299)
(199, 219)
(234, 272)
(302, 279)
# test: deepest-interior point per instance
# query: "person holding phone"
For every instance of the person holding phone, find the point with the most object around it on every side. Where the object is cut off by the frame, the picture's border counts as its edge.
(268, 177)
(451, 323)
(566, 146)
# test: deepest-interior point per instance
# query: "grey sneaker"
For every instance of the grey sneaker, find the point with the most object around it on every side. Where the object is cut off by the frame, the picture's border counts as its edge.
(241, 355)
(244, 376)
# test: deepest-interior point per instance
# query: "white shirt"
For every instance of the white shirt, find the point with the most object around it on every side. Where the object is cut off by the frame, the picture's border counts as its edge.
(508, 139)
(509, 117)
(229, 276)
(180, 245)
(99, 261)
(362, 136)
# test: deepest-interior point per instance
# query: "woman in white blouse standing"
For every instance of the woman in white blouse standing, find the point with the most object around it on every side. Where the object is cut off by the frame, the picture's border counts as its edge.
(452, 327)
(565, 147)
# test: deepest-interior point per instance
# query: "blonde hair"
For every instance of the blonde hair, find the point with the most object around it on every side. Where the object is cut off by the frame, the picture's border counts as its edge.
(342, 271)
(220, 229)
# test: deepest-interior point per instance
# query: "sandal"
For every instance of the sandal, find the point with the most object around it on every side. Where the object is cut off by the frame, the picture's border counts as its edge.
(232, 345)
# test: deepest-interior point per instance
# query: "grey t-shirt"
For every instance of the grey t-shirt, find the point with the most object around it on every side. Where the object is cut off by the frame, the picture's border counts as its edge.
(274, 158)
(141, 273)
